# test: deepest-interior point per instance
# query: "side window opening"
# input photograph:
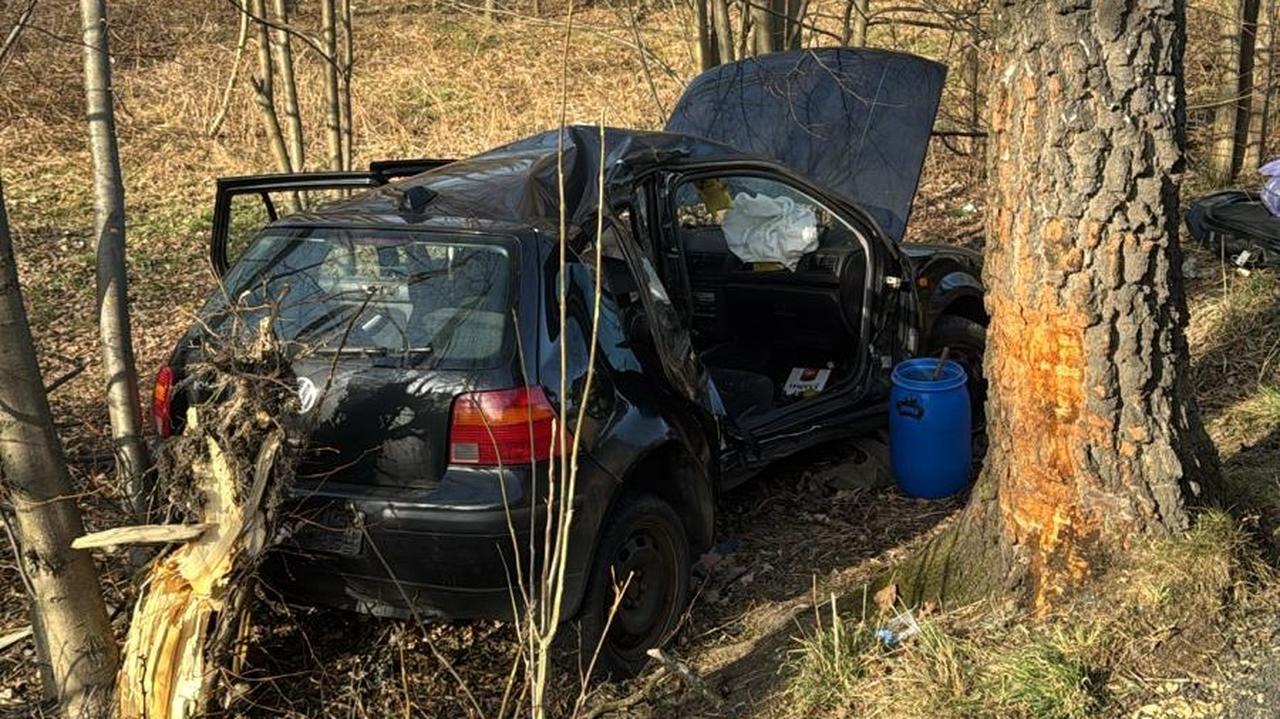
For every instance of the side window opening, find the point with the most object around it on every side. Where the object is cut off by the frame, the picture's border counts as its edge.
(775, 281)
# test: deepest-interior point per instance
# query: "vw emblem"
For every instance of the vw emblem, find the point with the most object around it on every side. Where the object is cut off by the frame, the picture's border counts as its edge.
(308, 394)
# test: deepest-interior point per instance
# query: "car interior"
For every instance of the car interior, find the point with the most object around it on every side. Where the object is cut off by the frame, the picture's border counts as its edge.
(774, 292)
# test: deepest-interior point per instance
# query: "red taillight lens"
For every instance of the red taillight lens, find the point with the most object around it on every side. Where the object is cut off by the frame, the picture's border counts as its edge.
(161, 401)
(502, 427)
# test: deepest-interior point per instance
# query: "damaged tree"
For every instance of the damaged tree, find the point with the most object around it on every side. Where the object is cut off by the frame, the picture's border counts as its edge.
(1094, 436)
(72, 631)
(225, 474)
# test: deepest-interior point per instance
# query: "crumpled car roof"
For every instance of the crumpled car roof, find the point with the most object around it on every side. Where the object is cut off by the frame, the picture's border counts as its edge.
(518, 184)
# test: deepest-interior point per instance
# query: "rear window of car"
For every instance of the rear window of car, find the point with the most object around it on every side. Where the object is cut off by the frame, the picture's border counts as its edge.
(374, 293)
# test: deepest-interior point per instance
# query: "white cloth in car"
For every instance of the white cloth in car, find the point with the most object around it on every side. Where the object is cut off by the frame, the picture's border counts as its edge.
(759, 228)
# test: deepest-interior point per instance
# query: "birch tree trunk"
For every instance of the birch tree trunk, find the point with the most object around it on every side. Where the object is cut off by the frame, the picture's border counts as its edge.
(289, 84)
(73, 633)
(132, 464)
(1095, 438)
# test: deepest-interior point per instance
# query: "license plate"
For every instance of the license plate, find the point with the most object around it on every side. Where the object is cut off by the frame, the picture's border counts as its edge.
(335, 530)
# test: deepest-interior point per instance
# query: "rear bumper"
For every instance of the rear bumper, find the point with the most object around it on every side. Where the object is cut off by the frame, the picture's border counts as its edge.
(416, 557)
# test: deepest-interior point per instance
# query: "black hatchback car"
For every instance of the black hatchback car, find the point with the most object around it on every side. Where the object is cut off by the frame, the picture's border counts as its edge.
(756, 293)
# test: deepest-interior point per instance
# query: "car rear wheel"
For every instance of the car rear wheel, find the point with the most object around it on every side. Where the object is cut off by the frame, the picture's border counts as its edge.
(644, 554)
(966, 341)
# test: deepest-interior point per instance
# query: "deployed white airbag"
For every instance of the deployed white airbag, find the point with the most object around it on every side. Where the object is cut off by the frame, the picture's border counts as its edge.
(759, 228)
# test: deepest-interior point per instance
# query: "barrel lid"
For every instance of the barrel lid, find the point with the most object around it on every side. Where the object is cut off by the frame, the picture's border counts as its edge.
(918, 375)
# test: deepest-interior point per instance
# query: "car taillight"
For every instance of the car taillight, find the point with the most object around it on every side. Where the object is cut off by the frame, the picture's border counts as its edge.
(161, 402)
(502, 427)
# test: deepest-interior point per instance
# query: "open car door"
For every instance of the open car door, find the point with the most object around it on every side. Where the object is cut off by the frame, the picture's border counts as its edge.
(244, 205)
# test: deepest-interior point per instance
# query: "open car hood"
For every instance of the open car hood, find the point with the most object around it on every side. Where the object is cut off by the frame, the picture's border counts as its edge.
(853, 120)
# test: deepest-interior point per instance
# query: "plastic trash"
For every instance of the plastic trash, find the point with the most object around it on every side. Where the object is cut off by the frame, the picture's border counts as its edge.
(901, 627)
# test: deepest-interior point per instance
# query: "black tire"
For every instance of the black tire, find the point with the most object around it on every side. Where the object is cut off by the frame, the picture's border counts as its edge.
(967, 341)
(643, 537)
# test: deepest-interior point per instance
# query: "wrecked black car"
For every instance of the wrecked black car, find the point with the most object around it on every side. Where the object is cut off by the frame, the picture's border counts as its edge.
(756, 294)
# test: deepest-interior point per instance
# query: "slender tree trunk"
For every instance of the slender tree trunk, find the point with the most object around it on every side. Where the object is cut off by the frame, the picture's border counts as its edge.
(348, 69)
(857, 14)
(1262, 78)
(332, 103)
(1231, 117)
(707, 56)
(264, 91)
(73, 633)
(723, 29)
(764, 22)
(132, 464)
(1095, 438)
(289, 84)
(242, 41)
(796, 10)
(1264, 124)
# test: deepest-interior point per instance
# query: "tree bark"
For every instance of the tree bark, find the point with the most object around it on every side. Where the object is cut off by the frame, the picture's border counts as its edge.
(707, 56)
(264, 91)
(242, 41)
(332, 103)
(723, 29)
(73, 633)
(1095, 438)
(347, 31)
(289, 84)
(857, 13)
(132, 464)
(1231, 118)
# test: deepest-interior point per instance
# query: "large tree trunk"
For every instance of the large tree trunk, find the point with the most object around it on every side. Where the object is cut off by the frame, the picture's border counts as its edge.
(1231, 118)
(73, 634)
(132, 465)
(1095, 438)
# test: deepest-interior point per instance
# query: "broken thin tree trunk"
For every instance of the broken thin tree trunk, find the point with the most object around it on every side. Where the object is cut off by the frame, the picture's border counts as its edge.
(1094, 434)
(289, 85)
(74, 635)
(132, 463)
(332, 104)
(229, 468)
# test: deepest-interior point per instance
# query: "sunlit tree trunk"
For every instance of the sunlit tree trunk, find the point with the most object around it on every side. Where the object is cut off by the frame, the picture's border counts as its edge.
(1231, 119)
(723, 29)
(72, 631)
(132, 464)
(289, 86)
(332, 103)
(707, 56)
(1095, 439)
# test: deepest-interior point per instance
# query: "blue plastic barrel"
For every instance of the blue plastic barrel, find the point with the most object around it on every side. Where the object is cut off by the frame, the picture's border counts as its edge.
(929, 438)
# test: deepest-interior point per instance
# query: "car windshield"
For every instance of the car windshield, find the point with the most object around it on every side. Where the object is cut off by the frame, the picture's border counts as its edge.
(374, 293)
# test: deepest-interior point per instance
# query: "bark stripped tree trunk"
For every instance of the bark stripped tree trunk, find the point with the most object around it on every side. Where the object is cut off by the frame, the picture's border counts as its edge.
(132, 463)
(1095, 438)
(73, 633)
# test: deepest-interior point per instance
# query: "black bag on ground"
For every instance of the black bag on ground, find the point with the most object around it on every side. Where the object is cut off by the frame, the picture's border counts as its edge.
(1234, 222)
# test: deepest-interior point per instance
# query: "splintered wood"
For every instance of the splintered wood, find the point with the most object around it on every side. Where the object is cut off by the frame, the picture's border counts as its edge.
(167, 668)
